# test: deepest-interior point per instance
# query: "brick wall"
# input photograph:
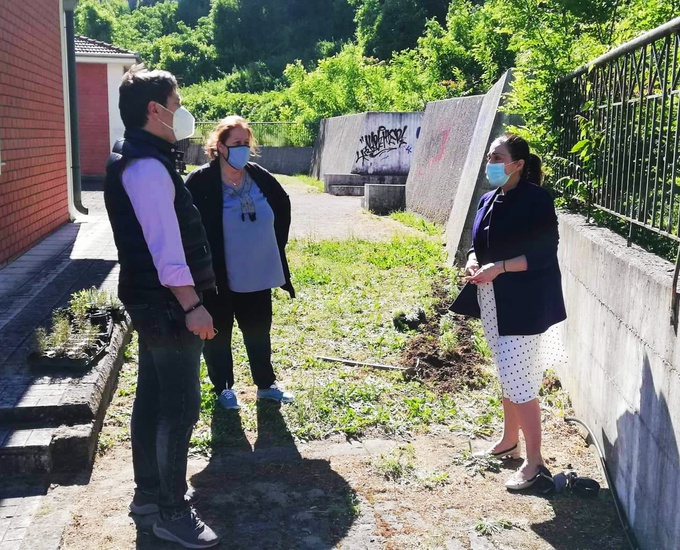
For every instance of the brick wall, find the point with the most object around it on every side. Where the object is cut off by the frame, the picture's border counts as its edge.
(33, 187)
(93, 118)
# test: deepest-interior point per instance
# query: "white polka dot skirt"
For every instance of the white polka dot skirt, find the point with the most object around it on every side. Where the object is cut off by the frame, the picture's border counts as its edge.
(520, 360)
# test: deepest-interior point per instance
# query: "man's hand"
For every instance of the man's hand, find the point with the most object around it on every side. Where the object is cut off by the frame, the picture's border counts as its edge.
(200, 322)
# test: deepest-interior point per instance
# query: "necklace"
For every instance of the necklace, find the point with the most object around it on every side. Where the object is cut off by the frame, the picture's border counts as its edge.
(234, 184)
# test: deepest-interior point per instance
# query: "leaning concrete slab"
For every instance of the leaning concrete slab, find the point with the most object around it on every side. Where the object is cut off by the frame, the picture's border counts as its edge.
(440, 154)
(490, 123)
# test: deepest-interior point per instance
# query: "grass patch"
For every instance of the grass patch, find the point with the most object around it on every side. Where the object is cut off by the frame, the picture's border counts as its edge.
(397, 465)
(489, 527)
(312, 182)
(477, 464)
(346, 293)
(301, 182)
(417, 222)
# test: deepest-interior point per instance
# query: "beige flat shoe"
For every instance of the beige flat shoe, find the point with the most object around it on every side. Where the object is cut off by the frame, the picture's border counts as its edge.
(518, 482)
(511, 453)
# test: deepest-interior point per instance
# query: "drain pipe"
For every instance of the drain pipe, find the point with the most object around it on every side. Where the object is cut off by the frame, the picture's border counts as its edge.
(69, 6)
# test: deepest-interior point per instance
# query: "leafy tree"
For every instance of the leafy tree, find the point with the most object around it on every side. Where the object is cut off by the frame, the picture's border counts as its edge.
(190, 11)
(225, 20)
(95, 20)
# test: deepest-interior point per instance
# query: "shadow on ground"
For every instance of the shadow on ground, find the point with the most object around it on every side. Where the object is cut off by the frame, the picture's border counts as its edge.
(266, 495)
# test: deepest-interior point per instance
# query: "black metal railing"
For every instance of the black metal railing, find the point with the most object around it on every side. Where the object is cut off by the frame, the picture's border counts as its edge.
(618, 125)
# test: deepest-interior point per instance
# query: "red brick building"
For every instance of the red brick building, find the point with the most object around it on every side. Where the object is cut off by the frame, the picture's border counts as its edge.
(99, 70)
(34, 180)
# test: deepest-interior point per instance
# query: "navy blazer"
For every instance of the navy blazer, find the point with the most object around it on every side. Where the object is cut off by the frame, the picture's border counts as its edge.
(523, 223)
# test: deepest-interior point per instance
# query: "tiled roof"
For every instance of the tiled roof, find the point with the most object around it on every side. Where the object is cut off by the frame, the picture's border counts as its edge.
(90, 46)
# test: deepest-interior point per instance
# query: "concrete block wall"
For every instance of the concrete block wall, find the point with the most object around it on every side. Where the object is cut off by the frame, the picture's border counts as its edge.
(93, 117)
(285, 160)
(334, 148)
(622, 374)
(33, 184)
(366, 143)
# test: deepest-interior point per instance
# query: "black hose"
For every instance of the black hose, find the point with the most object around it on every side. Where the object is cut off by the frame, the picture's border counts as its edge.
(630, 536)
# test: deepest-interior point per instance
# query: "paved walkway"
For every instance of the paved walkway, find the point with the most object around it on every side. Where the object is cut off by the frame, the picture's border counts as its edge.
(76, 256)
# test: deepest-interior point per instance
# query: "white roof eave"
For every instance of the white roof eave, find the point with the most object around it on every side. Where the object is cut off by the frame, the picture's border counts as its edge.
(106, 58)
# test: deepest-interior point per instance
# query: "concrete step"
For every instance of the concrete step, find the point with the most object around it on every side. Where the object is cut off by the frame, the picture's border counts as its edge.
(64, 397)
(346, 190)
(50, 424)
(25, 451)
(45, 451)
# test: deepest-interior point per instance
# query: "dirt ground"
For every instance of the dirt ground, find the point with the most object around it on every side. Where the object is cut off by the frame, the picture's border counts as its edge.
(266, 491)
(272, 493)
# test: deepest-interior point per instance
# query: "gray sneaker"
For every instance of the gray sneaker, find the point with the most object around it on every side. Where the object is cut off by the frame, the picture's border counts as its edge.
(187, 530)
(274, 393)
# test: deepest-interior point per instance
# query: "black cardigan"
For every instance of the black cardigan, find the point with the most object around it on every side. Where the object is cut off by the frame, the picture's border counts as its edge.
(524, 223)
(205, 185)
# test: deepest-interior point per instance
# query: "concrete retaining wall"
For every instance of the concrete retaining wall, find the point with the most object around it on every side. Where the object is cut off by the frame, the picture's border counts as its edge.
(285, 160)
(386, 143)
(622, 374)
(278, 160)
(334, 147)
(366, 143)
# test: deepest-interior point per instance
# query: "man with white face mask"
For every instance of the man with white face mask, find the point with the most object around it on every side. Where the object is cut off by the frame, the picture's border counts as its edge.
(165, 266)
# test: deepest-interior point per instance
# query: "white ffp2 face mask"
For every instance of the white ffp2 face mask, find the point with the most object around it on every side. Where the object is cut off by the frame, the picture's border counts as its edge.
(183, 123)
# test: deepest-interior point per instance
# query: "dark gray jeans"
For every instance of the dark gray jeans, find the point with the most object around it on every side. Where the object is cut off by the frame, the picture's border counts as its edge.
(167, 403)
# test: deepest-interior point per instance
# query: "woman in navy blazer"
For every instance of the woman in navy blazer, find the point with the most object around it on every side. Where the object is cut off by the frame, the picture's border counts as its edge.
(514, 285)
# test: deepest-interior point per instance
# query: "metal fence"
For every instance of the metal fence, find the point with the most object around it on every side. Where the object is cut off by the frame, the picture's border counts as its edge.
(618, 123)
(267, 134)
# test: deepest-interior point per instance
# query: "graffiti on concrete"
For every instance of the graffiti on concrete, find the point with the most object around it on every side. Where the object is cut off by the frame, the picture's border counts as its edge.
(380, 142)
(443, 138)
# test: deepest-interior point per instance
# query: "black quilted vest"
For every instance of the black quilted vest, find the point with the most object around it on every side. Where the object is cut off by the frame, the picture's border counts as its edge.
(138, 282)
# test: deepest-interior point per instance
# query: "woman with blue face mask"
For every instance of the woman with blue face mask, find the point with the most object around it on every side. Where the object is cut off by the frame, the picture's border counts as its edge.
(514, 286)
(246, 215)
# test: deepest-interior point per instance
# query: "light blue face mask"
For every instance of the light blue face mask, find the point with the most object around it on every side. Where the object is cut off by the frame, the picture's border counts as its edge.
(496, 175)
(239, 155)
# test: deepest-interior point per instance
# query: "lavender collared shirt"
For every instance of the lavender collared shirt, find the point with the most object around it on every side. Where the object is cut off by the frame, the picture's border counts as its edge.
(152, 194)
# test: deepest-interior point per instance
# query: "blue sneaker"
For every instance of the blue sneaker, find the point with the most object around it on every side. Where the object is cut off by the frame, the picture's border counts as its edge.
(274, 393)
(228, 400)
